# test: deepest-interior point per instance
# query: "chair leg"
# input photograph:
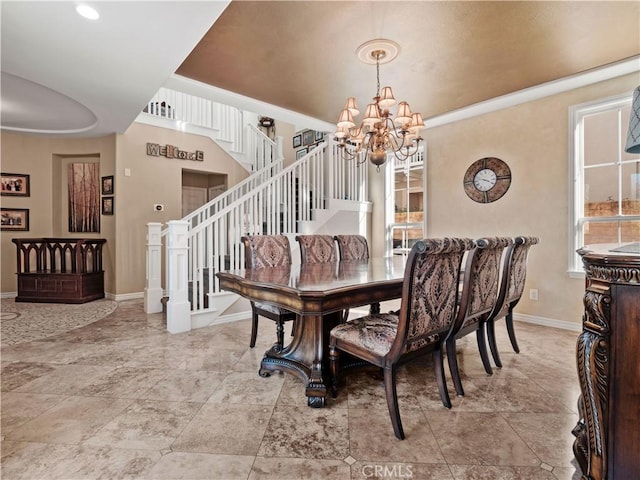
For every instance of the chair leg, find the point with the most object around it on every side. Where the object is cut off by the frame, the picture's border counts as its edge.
(280, 333)
(511, 331)
(345, 315)
(374, 308)
(438, 367)
(392, 401)
(334, 357)
(453, 365)
(482, 348)
(493, 346)
(254, 327)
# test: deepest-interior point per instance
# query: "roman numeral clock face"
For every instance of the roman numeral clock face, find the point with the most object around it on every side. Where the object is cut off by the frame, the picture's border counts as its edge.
(487, 180)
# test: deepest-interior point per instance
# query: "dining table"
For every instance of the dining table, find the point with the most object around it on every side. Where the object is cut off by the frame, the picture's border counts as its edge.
(318, 294)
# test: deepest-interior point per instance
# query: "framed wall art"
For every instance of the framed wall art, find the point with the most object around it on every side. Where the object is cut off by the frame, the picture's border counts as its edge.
(107, 205)
(83, 197)
(319, 136)
(307, 137)
(14, 219)
(297, 140)
(301, 153)
(15, 184)
(107, 185)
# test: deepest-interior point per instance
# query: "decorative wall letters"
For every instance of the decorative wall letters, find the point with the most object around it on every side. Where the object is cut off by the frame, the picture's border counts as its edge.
(171, 151)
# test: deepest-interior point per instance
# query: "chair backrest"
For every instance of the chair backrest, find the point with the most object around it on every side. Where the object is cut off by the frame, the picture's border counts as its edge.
(352, 247)
(481, 280)
(429, 293)
(513, 275)
(316, 248)
(266, 251)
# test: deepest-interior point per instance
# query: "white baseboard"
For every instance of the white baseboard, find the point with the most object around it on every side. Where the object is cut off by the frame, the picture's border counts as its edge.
(522, 317)
(9, 295)
(233, 317)
(547, 322)
(124, 296)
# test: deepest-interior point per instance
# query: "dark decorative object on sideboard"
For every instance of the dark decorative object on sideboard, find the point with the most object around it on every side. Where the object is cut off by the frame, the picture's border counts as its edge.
(607, 445)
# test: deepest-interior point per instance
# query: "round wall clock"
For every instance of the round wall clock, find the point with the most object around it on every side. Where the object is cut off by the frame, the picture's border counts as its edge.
(487, 179)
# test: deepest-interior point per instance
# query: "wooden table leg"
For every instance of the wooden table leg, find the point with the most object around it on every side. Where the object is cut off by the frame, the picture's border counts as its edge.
(307, 356)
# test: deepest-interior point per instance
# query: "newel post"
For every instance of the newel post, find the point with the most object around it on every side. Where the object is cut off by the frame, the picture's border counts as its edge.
(153, 281)
(178, 307)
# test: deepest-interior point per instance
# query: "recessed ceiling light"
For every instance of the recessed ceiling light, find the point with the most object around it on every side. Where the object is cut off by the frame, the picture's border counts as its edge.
(87, 12)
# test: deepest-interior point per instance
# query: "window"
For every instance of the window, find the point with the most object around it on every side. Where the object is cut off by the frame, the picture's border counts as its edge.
(606, 179)
(408, 197)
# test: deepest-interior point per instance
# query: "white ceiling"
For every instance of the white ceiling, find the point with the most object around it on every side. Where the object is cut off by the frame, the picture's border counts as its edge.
(62, 73)
(92, 78)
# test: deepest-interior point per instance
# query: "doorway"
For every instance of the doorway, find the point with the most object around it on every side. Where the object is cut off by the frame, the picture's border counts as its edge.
(198, 188)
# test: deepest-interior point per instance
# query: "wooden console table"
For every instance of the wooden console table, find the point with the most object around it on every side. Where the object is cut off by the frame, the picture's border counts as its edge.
(59, 270)
(607, 444)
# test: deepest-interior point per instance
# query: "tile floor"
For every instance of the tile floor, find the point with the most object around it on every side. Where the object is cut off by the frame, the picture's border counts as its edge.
(121, 398)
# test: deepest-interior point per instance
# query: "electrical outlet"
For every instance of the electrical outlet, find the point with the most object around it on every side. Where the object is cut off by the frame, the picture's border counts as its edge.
(533, 294)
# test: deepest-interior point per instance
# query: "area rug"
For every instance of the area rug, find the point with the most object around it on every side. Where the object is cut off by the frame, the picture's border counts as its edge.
(25, 322)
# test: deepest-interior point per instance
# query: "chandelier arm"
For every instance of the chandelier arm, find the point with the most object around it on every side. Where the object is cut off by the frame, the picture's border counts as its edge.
(353, 153)
(410, 152)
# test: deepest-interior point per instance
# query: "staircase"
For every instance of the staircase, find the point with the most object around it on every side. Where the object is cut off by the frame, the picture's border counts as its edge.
(271, 201)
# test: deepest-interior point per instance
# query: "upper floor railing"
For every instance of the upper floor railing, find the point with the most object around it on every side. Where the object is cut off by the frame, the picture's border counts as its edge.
(195, 111)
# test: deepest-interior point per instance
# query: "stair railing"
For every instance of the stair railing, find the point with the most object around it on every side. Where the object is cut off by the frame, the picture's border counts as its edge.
(274, 206)
(267, 160)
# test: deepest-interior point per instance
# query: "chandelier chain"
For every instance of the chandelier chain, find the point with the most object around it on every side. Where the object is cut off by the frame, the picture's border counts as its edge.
(378, 74)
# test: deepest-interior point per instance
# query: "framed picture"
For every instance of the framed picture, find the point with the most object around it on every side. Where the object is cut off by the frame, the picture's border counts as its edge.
(319, 136)
(307, 137)
(14, 219)
(15, 184)
(312, 146)
(107, 205)
(107, 185)
(301, 153)
(297, 140)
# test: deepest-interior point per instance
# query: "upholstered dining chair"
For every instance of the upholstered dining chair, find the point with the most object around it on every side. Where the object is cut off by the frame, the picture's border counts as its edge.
(479, 295)
(316, 248)
(511, 288)
(354, 248)
(262, 251)
(428, 306)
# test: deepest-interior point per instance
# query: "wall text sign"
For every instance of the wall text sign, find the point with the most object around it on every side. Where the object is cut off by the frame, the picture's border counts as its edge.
(171, 151)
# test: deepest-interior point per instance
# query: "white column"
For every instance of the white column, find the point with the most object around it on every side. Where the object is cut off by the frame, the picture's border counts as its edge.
(178, 307)
(153, 282)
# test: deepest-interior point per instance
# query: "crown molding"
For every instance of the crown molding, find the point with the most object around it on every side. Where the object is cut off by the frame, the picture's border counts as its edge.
(300, 121)
(543, 90)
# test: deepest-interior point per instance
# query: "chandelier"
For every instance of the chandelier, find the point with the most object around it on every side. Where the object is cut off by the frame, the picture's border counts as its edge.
(378, 134)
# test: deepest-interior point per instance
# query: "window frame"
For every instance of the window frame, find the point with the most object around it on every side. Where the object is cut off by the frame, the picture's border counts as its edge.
(577, 114)
(419, 159)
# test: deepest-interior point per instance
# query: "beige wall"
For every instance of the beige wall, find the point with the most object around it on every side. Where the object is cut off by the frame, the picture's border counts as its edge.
(38, 156)
(152, 180)
(533, 140)
(155, 180)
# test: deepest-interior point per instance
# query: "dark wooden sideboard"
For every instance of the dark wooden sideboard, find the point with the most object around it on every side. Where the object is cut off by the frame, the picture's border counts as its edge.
(607, 444)
(59, 270)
